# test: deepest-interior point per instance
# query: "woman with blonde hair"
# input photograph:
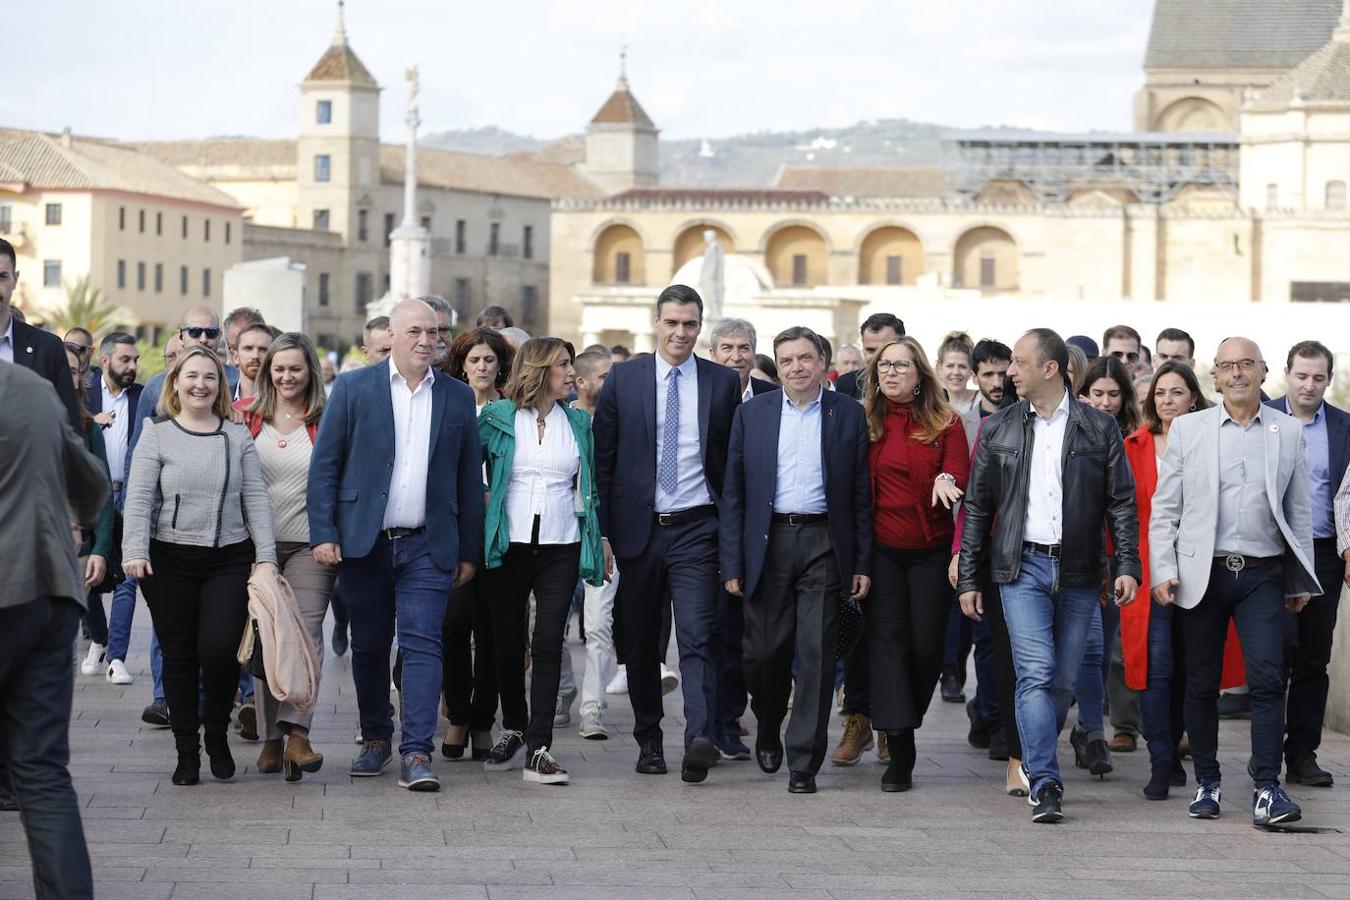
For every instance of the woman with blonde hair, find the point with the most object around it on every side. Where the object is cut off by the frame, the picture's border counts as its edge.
(919, 462)
(954, 369)
(542, 531)
(196, 522)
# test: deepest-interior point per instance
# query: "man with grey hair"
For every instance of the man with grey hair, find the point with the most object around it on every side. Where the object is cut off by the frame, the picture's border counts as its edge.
(515, 336)
(731, 343)
(445, 325)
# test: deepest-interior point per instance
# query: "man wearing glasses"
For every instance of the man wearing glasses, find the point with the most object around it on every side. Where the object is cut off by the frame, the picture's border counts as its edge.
(80, 341)
(1125, 344)
(445, 326)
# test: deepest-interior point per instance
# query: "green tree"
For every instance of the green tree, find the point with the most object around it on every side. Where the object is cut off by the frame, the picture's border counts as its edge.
(86, 307)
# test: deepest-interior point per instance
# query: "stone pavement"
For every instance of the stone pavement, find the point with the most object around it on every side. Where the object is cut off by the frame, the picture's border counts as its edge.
(612, 833)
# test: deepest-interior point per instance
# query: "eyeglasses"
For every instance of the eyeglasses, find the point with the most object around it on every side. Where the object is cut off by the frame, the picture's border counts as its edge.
(1229, 365)
(77, 348)
(1132, 356)
(194, 332)
(898, 366)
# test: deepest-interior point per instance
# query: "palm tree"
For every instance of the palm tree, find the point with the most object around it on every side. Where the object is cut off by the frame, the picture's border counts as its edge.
(85, 307)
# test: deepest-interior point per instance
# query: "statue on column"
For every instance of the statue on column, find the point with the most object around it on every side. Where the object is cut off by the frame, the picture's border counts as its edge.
(712, 280)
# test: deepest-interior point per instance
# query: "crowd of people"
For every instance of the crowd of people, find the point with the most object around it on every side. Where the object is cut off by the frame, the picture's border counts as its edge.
(812, 529)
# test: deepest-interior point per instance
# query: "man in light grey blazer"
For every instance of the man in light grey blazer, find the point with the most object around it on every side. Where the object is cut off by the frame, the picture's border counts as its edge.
(1231, 538)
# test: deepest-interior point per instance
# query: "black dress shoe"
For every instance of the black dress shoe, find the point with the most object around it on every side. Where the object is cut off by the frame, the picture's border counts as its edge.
(651, 759)
(953, 686)
(998, 744)
(801, 783)
(979, 735)
(769, 754)
(1305, 770)
(699, 757)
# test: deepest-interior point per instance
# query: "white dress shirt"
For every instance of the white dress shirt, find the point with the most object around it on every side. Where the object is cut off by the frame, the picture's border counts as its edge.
(407, 504)
(7, 342)
(115, 435)
(691, 487)
(1045, 491)
(543, 479)
(800, 485)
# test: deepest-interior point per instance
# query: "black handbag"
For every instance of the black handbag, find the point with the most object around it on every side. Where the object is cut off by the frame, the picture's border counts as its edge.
(850, 627)
(114, 575)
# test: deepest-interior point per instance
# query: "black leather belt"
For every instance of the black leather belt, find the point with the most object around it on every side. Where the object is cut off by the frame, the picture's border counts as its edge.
(680, 516)
(1236, 562)
(394, 533)
(1051, 550)
(799, 518)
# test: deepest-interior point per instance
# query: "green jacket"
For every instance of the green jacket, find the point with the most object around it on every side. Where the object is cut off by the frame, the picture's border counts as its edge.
(100, 540)
(497, 431)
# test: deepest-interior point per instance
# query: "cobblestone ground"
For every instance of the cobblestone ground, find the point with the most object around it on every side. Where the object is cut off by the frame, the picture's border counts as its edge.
(614, 833)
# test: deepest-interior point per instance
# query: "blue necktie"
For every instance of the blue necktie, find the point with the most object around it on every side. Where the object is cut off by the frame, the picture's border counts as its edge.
(668, 474)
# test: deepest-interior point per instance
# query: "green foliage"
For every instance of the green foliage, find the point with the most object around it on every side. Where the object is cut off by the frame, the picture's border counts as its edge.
(85, 307)
(152, 357)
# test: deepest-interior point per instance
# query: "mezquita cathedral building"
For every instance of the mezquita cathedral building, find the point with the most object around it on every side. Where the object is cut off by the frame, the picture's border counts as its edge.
(1225, 210)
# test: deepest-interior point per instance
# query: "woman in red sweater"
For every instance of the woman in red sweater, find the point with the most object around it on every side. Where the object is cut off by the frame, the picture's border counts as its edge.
(920, 463)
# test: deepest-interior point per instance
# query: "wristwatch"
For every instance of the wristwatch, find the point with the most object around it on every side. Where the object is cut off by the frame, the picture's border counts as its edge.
(947, 476)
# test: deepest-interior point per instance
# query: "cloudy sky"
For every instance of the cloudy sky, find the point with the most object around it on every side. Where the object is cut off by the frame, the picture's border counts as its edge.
(702, 68)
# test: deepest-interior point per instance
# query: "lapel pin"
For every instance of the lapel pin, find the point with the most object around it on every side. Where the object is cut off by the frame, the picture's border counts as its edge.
(30, 349)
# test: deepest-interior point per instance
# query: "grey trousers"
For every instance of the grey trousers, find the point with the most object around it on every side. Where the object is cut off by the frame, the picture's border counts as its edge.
(313, 585)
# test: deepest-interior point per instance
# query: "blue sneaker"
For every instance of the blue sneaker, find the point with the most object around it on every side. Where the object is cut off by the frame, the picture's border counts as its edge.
(415, 773)
(1272, 806)
(374, 756)
(1206, 802)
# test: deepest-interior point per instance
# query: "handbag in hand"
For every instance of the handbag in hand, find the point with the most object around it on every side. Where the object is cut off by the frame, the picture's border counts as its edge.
(250, 653)
(850, 627)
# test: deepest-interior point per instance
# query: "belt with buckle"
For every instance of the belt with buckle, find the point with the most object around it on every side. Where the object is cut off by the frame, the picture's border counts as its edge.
(680, 516)
(391, 534)
(799, 518)
(1236, 562)
(1050, 550)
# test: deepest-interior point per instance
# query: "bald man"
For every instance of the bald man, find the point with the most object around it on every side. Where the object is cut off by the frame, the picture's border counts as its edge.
(401, 538)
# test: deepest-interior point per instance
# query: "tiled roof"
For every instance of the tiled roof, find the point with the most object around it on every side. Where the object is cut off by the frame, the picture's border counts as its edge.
(44, 161)
(514, 175)
(865, 181)
(340, 63)
(622, 108)
(213, 152)
(1322, 77)
(714, 195)
(1238, 34)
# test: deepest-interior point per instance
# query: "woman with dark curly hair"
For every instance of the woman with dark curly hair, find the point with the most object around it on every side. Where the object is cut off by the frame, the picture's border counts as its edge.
(481, 358)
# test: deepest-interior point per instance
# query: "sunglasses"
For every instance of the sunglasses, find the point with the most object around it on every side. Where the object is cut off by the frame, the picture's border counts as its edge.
(195, 332)
(1121, 354)
(77, 348)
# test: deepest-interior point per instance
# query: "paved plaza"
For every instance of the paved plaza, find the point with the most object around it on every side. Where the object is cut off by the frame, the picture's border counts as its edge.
(612, 833)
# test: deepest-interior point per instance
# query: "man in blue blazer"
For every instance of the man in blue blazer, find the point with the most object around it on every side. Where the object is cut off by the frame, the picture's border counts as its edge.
(796, 537)
(396, 501)
(1326, 436)
(661, 429)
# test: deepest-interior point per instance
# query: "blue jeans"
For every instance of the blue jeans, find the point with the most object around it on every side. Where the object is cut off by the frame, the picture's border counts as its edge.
(1048, 625)
(397, 588)
(1158, 705)
(1090, 685)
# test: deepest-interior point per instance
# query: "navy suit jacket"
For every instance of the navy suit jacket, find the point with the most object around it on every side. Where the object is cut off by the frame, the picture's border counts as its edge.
(1338, 439)
(760, 386)
(93, 399)
(847, 384)
(45, 354)
(625, 445)
(353, 465)
(752, 480)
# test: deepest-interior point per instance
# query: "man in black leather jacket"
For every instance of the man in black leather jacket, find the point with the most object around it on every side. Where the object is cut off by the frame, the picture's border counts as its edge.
(1049, 478)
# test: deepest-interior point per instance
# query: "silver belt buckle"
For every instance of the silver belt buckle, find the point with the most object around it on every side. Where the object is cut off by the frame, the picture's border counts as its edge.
(1235, 562)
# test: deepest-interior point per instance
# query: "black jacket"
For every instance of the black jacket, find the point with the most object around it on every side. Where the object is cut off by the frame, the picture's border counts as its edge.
(1098, 489)
(45, 354)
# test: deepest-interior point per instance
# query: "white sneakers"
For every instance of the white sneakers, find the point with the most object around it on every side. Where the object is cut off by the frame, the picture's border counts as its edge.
(670, 679)
(93, 662)
(619, 683)
(118, 674)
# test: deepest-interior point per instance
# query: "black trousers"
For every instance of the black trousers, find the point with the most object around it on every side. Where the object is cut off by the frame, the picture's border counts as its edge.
(550, 571)
(858, 680)
(96, 619)
(37, 683)
(1310, 654)
(731, 690)
(469, 673)
(794, 611)
(907, 611)
(198, 599)
(1003, 663)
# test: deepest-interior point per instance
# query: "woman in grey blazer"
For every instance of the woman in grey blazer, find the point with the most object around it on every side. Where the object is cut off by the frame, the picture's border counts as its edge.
(196, 521)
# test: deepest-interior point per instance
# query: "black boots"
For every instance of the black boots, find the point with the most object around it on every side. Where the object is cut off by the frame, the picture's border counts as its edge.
(900, 773)
(1159, 782)
(189, 760)
(218, 751)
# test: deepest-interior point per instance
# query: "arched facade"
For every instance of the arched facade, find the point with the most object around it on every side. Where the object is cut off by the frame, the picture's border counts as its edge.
(690, 243)
(797, 256)
(890, 255)
(985, 258)
(619, 256)
(1193, 114)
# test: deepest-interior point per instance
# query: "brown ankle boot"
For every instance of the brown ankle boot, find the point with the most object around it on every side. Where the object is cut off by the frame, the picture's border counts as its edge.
(300, 756)
(269, 760)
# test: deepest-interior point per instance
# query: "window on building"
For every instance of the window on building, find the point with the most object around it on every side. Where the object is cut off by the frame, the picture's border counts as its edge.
(529, 300)
(53, 213)
(385, 280)
(494, 238)
(206, 282)
(6, 218)
(323, 112)
(227, 231)
(159, 278)
(140, 276)
(363, 224)
(461, 295)
(206, 230)
(1336, 196)
(121, 273)
(388, 228)
(1319, 291)
(988, 270)
(323, 167)
(362, 291)
(121, 218)
(426, 223)
(892, 270)
(623, 267)
(323, 288)
(51, 273)
(1272, 196)
(461, 235)
(527, 242)
(799, 268)
(140, 221)
(182, 280)
(159, 223)
(185, 227)
(320, 220)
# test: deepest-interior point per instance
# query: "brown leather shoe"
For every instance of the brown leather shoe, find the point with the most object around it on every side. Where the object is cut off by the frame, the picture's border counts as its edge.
(300, 756)
(856, 741)
(1124, 742)
(269, 760)
(883, 749)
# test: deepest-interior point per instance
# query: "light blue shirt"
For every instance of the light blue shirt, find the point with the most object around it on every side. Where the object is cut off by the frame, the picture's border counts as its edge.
(691, 487)
(1319, 474)
(7, 342)
(800, 487)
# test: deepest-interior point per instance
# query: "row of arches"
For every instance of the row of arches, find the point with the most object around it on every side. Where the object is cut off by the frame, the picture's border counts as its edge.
(797, 255)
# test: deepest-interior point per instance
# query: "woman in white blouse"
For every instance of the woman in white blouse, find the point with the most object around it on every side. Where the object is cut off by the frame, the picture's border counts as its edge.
(541, 533)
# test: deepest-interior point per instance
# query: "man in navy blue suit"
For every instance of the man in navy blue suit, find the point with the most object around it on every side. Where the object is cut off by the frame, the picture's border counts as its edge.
(1326, 437)
(396, 501)
(796, 537)
(661, 429)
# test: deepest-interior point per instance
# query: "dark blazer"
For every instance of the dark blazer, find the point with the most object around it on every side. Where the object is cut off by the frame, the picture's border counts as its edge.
(752, 479)
(353, 463)
(847, 384)
(625, 445)
(1338, 439)
(93, 400)
(760, 386)
(44, 353)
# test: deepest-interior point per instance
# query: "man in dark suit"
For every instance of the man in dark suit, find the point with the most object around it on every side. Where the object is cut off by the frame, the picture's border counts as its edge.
(396, 501)
(32, 347)
(1326, 436)
(877, 330)
(661, 430)
(796, 535)
(47, 477)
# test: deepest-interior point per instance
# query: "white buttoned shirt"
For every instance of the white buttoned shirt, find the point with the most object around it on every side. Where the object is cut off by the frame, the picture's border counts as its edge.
(1045, 490)
(407, 502)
